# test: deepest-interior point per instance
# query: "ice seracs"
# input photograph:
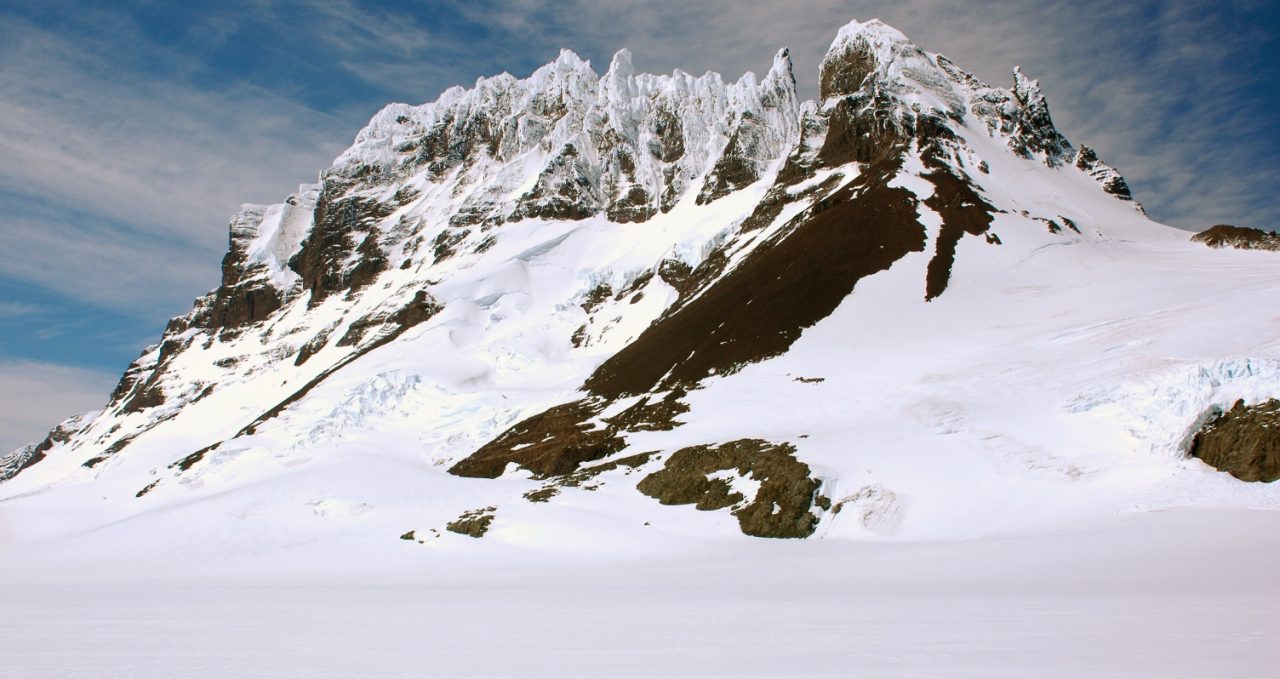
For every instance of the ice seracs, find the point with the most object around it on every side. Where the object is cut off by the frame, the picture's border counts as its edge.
(567, 143)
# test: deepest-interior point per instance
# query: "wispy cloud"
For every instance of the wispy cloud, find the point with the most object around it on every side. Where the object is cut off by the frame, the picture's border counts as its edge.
(32, 392)
(163, 160)
(104, 264)
(158, 153)
(345, 26)
(11, 309)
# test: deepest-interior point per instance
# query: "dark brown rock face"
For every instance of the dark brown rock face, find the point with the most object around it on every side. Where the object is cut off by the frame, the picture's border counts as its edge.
(780, 508)
(342, 225)
(813, 264)
(1112, 182)
(1239, 237)
(963, 212)
(564, 191)
(13, 463)
(862, 128)
(313, 346)
(550, 443)
(134, 375)
(474, 523)
(242, 305)
(1244, 442)
(140, 387)
(677, 274)
(736, 167)
(245, 295)
(844, 73)
(558, 440)
(1034, 131)
(452, 141)
(633, 205)
(628, 200)
(667, 144)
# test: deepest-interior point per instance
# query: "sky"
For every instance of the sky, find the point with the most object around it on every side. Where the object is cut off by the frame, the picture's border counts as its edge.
(131, 130)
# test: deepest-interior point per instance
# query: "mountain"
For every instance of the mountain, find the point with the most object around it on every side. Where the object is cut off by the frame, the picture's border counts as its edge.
(625, 310)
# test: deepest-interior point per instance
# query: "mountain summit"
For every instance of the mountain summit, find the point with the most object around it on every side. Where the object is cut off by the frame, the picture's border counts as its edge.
(578, 308)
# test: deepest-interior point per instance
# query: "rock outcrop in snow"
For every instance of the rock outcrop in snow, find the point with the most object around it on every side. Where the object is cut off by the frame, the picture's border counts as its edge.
(1243, 441)
(1239, 237)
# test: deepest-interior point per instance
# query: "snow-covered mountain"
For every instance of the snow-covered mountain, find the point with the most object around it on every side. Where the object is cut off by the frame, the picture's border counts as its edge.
(577, 310)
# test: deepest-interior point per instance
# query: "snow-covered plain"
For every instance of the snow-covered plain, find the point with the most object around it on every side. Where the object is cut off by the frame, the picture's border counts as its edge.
(1010, 456)
(1182, 593)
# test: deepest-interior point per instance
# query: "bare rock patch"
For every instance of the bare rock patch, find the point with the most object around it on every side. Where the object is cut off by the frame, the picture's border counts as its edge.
(781, 505)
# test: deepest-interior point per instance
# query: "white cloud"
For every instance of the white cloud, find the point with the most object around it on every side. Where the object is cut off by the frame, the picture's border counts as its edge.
(168, 158)
(34, 397)
(9, 309)
(99, 265)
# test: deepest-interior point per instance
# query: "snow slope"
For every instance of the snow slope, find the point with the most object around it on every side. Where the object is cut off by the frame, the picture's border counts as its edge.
(1127, 597)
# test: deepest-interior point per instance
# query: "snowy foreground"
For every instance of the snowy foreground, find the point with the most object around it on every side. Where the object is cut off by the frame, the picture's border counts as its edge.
(1179, 593)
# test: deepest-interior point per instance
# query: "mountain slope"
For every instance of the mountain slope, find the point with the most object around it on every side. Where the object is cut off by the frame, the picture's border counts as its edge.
(542, 309)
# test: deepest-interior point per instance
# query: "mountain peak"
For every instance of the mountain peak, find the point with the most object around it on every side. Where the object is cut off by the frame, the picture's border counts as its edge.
(861, 50)
(873, 31)
(568, 57)
(617, 87)
(1027, 90)
(782, 68)
(581, 239)
(621, 65)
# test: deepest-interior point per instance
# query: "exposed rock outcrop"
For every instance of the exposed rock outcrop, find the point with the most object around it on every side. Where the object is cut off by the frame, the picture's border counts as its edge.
(963, 211)
(245, 296)
(813, 264)
(1239, 237)
(1087, 159)
(256, 280)
(557, 441)
(1033, 130)
(780, 507)
(343, 227)
(761, 133)
(1243, 441)
(474, 523)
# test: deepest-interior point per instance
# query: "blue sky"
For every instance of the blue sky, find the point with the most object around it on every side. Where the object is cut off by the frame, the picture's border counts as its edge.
(131, 131)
